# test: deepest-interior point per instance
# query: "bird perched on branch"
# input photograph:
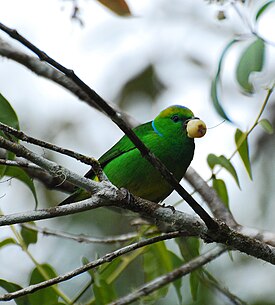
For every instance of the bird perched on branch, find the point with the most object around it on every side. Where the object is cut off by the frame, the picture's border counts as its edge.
(170, 136)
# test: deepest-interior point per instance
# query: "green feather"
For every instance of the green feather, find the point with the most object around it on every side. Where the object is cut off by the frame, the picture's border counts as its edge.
(123, 164)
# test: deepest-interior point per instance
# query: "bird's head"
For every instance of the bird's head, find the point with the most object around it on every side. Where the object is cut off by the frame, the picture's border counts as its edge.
(178, 120)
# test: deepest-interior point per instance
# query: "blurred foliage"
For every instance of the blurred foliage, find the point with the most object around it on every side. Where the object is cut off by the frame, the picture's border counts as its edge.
(44, 296)
(250, 61)
(146, 83)
(119, 7)
(11, 287)
(29, 236)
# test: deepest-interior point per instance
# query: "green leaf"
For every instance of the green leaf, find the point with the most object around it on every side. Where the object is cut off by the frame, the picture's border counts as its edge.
(104, 292)
(7, 114)
(20, 174)
(107, 270)
(29, 236)
(177, 262)
(266, 125)
(146, 84)
(8, 241)
(263, 9)
(194, 280)
(9, 117)
(243, 150)
(220, 187)
(190, 248)
(215, 85)
(12, 287)
(251, 60)
(119, 7)
(216, 100)
(46, 296)
(214, 160)
(158, 261)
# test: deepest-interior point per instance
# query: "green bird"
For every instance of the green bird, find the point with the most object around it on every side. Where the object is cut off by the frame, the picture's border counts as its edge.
(170, 136)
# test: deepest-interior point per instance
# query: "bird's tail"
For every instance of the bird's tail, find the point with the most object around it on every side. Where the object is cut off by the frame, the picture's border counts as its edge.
(79, 194)
(76, 196)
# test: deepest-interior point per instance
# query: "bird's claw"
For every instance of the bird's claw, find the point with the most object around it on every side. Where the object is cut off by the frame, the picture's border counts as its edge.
(169, 207)
(127, 195)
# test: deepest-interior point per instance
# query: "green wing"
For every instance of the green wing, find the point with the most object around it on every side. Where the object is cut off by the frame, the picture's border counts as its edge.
(121, 147)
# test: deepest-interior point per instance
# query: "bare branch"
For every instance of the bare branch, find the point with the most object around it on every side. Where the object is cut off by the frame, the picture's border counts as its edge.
(82, 238)
(54, 169)
(63, 210)
(19, 163)
(82, 158)
(171, 276)
(211, 198)
(221, 212)
(104, 259)
(44, 70)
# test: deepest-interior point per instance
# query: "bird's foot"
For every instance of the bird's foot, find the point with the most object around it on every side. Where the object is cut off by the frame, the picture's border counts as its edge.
(127, 195)
(169, 207)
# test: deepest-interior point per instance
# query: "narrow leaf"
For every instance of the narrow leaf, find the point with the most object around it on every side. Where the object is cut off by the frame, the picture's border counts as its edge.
(215, 85)
(176, 261)
(104, 292)
(189, 247)
(220, 187)
(7, 241)
(45, 296)
(119, 7)
(7, 114)
(9, 117)
(251, 60)
(29, 236)
(157, 262)
(12, 287)
(194, 284)
(216, 100)
(20, 174)
(243, 150)
(263, 9)
(214, 160)
(266, 125)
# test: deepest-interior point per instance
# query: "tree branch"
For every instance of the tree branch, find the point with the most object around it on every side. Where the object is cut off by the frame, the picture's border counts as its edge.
(211, 198)
(42, 69)
(82, 238)
(36, 172)
(82, 158)
(54, 169)
(104, 259)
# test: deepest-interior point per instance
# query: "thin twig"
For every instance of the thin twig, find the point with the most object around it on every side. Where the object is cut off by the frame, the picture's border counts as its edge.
(104, 259)
(40, 268)
(19, 163)
(245, 135)
(161, 281)
(116, 118)
(211, 198)
(54, 169)
(44, 70)
(82, 158)
(81, 238)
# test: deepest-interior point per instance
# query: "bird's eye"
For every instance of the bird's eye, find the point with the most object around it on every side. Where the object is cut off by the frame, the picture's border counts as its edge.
(175, 118)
